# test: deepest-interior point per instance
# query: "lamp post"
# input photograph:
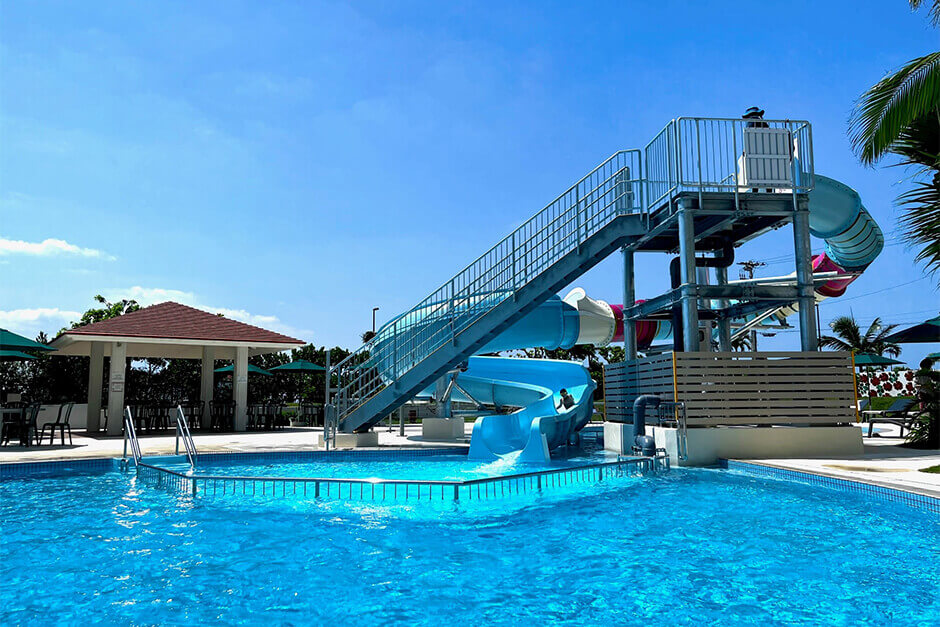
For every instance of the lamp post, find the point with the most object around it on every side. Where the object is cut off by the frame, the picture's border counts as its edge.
(374, 309)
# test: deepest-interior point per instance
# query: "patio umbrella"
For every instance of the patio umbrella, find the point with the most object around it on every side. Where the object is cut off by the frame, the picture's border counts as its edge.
(926, 331)
(251, 370)
(12, 341)
(9, 355)
(298, 365)
(933, 356)
(871, 359)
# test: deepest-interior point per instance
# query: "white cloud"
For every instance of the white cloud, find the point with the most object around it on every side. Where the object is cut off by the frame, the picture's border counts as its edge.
(48, 248)
(152, 295)
(29, 322)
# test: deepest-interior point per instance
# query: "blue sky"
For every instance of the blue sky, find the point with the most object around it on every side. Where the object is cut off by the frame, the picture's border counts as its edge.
(296, 164)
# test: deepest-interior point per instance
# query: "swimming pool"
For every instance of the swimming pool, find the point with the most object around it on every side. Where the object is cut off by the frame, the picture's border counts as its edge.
(700, 546)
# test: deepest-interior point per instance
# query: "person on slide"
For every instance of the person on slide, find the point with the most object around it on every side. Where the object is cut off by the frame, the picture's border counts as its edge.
(567, 400)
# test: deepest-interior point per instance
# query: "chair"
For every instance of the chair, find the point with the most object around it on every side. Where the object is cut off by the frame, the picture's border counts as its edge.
(223, 415)
(192, 410)
(61, 423)
(896, 414)
(24, 427)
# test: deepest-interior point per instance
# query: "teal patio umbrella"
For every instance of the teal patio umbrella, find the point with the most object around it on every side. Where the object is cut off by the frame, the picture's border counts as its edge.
(11, 341)
(11, 355)
(933, 356)
(871, 359)
(298, 365)
(251, 370)
(926, 331)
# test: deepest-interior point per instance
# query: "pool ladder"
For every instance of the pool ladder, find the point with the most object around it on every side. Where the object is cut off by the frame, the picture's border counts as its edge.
(182, 431)
(130, 437)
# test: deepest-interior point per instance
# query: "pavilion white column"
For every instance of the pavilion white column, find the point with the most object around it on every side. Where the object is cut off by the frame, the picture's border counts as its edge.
(240, 388)
(208, 372)
(95, 374)
(116, 382)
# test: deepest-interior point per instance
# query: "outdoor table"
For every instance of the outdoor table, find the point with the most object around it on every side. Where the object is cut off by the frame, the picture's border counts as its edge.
(16, 416)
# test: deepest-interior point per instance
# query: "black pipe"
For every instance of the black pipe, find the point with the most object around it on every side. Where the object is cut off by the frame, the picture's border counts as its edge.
(646, 443)
(723, 259)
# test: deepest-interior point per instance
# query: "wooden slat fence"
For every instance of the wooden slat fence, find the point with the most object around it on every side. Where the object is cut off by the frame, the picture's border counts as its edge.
(739, 388)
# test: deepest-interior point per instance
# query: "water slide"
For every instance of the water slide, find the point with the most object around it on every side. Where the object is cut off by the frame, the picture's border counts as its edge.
(531, 387)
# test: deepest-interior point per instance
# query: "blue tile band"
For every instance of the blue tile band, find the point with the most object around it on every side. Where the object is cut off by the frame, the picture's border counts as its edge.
(912, 499)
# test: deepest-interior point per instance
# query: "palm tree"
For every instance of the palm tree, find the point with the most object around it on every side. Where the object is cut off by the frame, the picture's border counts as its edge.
(900, 115)
(849, 337)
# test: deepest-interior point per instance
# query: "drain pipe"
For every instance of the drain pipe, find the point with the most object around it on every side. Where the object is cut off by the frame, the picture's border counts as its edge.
(645, 443)
(723, 259)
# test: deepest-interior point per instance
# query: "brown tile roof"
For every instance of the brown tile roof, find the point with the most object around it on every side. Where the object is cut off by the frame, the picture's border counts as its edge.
(179, 322)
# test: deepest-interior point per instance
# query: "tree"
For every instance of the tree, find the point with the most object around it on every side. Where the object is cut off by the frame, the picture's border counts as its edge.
(900, 115)
(849, 337)
(366, 336)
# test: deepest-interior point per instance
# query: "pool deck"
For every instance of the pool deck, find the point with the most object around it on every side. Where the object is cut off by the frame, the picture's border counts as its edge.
(288, 439)
(883, 463)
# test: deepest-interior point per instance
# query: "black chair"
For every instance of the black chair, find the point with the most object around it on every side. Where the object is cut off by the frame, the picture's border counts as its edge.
(223, 415)
(61, 423)
(310, 415)
(192, 410)
(22, 426)
(896, 414)
(12, 419)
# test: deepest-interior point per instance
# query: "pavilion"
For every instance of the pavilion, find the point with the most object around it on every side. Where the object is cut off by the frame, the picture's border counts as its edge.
(170, 331)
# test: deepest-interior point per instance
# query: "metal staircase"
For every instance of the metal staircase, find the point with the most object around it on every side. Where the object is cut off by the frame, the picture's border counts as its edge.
(593, 218)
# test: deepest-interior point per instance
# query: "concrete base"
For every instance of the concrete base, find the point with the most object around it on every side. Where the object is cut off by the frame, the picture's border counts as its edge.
(706, 445)
(353, 440)
(618, 437)
(442, 429)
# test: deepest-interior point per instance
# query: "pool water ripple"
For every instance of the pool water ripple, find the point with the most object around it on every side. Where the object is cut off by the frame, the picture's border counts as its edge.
(702, 547)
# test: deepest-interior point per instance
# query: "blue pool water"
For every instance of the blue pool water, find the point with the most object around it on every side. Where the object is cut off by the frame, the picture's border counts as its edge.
(690, 547)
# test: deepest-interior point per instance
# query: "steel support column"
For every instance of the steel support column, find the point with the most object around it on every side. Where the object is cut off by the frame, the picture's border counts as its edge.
(724, 324)
(687, 266)
(629, 299)
(804, 277)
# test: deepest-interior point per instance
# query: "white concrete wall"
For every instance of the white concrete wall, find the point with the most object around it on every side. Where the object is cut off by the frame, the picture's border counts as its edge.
(705, 446)
(442, 429)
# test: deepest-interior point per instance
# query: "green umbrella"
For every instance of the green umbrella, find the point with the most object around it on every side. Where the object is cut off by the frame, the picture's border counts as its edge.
(252, 369)
(8, 355)
(871, 359)
(927, 331)
(298, 365)
(933, 356)
(10, 340)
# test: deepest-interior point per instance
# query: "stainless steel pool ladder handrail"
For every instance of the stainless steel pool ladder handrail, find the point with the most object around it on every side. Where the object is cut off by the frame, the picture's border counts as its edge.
(130, 435)
(675, 412)
(182, 430)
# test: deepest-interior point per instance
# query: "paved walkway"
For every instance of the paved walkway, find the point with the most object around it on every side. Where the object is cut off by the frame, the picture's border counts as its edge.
(884, 463)
(292, 439)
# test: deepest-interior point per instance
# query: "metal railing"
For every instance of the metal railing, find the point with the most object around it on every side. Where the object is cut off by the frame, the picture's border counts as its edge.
(130, 437)
(611, 189)
(674, 414)
(728, 155)
(182, 431)
(400, 489)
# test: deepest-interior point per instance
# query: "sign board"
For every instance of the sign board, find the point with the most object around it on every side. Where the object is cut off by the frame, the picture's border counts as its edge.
(117, 386)
(242, 378)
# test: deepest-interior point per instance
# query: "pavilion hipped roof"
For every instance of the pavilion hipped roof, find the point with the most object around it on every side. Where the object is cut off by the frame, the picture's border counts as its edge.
(172, 330)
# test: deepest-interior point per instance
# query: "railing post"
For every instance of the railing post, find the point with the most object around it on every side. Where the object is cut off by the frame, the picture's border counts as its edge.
(453, 314)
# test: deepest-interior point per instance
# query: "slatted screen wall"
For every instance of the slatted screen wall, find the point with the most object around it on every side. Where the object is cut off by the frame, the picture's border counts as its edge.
(739, 388)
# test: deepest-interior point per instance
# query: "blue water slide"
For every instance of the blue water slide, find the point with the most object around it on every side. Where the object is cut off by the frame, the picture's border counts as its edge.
(529, 389)
(836, 214)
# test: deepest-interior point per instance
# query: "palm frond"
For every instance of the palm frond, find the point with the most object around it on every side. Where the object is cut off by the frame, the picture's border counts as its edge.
(892, 104)
(921, 220)
(828, 341)
(934, 10)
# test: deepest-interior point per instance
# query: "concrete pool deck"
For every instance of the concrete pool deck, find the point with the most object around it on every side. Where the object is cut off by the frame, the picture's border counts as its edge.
(883, 463)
